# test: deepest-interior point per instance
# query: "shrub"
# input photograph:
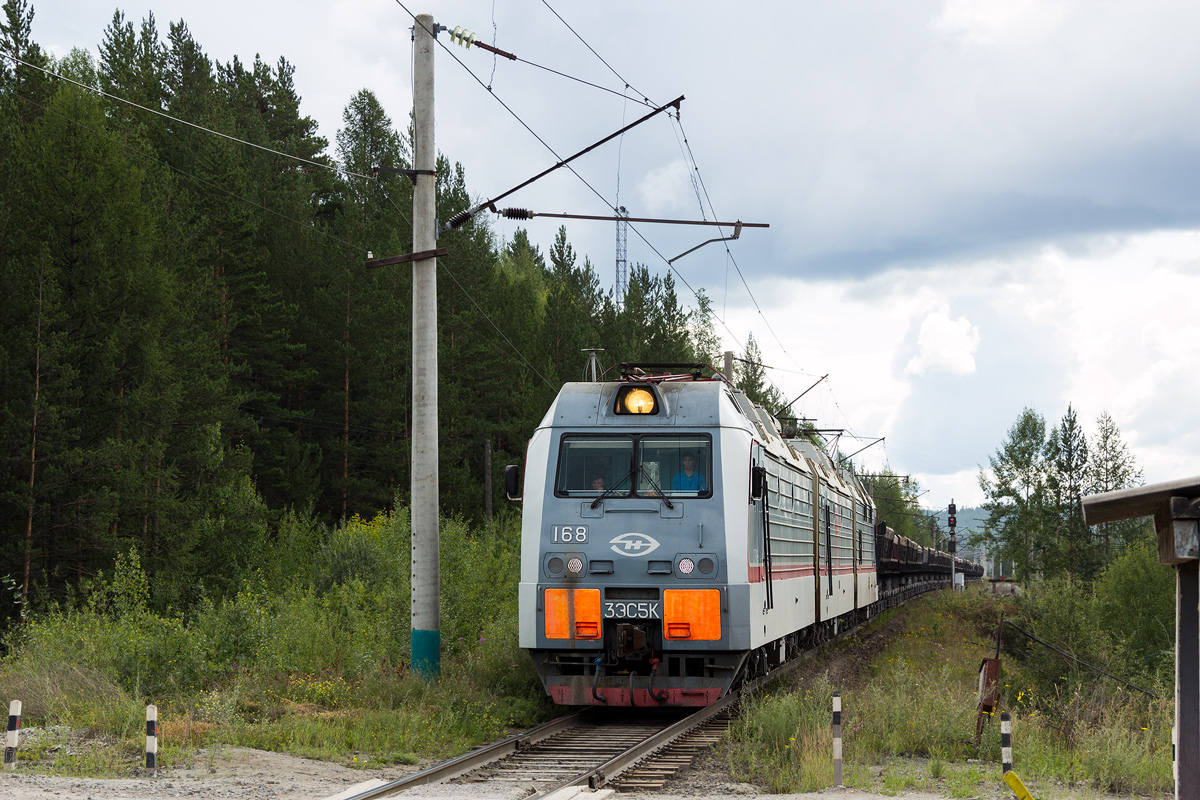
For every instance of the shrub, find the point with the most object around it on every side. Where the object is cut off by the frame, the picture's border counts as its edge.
(1135, 601)
(144, 653)
(1060, 612)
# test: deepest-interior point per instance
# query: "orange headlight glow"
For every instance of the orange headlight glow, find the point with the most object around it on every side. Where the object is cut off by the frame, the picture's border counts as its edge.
(638, 401)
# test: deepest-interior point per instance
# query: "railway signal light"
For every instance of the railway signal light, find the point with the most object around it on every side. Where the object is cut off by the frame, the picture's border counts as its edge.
(952, 521)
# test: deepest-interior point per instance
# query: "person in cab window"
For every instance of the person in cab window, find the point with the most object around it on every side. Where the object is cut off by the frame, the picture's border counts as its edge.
(598, 483)
(688, 479)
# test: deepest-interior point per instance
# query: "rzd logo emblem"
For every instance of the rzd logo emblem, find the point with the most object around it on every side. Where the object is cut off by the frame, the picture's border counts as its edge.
(633, 544)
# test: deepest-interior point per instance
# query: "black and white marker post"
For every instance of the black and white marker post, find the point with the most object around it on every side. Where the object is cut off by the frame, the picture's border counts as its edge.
(151, 740)
(1005, 743)
(837, 738)
(10, 742)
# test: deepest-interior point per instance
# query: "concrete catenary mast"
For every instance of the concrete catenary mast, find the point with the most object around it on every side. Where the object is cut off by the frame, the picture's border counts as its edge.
(426, 624)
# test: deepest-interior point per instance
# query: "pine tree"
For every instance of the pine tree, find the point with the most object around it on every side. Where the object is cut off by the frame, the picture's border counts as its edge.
(27, 86)
(1016, 493)
(1069, 547)
(705, 342)
(752, 378)
(569, 321)
(1110, 468)
(133, 67)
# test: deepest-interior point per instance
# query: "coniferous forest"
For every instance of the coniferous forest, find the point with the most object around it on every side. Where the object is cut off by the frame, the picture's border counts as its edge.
(192, 347)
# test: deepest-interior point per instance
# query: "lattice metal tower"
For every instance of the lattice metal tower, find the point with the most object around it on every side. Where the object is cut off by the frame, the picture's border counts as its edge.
(622, 265)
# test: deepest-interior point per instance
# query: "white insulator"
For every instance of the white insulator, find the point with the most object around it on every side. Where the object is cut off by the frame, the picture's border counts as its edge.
(462, 36)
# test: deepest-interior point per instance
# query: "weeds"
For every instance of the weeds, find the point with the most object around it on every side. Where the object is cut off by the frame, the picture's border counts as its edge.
(908, 719)
(788, 744)
(309, 658)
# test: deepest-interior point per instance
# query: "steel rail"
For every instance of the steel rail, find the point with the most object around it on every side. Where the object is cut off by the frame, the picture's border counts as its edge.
(477, 758)
(609, 771)
(612, 769)
(596, 777)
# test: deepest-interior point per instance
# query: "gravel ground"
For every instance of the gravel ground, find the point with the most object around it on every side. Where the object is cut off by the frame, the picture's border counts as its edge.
(232, 773)
(242, 774)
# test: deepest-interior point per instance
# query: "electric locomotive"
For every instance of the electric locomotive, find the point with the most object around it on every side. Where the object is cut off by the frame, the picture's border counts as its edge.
(675, 541)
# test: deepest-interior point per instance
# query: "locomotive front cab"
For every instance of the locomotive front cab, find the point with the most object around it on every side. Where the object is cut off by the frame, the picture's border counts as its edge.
(630, 584)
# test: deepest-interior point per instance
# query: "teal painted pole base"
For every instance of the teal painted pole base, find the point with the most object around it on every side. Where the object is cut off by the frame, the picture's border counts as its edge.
(427, 653)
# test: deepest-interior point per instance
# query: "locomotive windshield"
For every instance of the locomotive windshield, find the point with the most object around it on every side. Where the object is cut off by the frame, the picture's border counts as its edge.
(670, 465)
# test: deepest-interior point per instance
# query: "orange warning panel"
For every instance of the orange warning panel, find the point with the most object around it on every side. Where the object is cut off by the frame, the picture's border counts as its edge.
(573, 609)
(692, 614)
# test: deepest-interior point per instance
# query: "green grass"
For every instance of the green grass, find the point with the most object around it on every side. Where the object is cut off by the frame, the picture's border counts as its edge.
(909, 714)
(312, 662)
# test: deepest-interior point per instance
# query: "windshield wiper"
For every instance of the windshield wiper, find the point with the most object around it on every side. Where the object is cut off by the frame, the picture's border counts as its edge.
(665, 499)
(614, 487)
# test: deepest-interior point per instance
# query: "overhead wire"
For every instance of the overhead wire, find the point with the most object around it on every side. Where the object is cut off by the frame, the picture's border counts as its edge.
(753, 299)
(642, 102)
(197, 179)
(248, 201)
(645, 98)
(583, 180)
(697, 185)
(342, 170)
(119, 99)
(458, 283)
(495, 32)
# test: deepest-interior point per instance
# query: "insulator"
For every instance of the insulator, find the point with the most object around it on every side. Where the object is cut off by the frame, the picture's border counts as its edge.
(459, 219)
(462, 36)
(517, 213)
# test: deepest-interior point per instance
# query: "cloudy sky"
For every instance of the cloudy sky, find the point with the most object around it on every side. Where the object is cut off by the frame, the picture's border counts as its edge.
(974, 207)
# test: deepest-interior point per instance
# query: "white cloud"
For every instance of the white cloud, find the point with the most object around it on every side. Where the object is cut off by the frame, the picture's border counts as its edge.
(1081, 322)
(945, 344)
(991, 24)
(665, 188)
(961, 487)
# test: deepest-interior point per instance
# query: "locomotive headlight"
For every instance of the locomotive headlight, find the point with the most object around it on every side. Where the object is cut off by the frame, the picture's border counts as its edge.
(686, 565)
(575, 565)
(638, 401)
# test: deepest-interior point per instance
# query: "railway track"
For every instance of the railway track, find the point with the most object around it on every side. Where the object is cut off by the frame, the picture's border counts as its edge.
(623, 749)
(592, 748)
(637, 749)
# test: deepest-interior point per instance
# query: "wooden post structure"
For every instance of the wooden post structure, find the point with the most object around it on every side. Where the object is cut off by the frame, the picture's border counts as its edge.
(1175, 506)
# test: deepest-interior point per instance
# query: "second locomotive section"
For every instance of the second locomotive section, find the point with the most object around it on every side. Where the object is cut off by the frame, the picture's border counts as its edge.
(671, 543)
